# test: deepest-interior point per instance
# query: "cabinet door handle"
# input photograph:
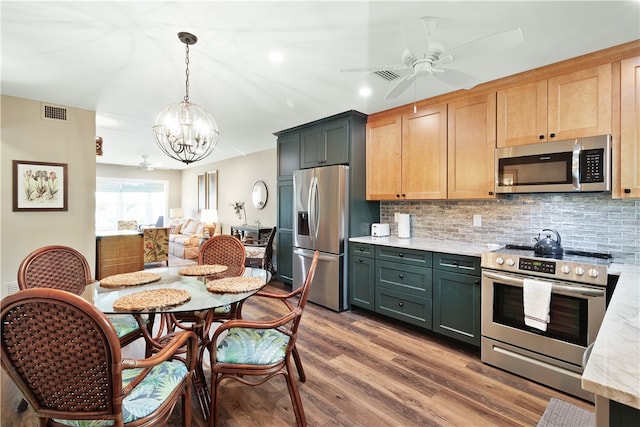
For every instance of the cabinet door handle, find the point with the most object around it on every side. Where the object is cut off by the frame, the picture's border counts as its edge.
(360, 260)
(477, 282)
(400, 254)
(401, 276)
(541, 137)
(361, 249)
(401, 304)
(627, 191)
(552, 135)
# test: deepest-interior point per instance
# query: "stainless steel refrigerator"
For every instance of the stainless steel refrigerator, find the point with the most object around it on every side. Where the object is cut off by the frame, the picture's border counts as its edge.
(320, 199)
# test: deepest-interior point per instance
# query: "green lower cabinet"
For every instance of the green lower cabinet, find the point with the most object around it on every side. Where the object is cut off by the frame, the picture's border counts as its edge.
(284, 243)
(456, 306)
(362, 281)
(621, 415)
(402, 306)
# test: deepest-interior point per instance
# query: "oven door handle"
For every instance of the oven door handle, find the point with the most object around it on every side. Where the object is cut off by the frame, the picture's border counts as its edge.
(566, 289)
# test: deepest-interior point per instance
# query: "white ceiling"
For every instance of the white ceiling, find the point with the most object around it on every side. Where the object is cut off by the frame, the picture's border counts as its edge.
(124, 60)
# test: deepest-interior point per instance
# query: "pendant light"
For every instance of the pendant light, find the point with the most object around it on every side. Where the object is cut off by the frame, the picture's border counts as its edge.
(185, 131)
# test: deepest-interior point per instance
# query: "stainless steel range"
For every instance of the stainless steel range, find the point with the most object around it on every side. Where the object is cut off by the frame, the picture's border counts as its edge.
(554, 356)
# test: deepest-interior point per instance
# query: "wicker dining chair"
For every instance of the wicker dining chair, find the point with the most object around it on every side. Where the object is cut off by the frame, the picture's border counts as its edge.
(62, 267)
(225, 250)
(73, 372)
(241, 349)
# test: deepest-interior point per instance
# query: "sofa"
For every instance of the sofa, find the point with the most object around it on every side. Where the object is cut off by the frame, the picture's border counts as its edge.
(185, 236)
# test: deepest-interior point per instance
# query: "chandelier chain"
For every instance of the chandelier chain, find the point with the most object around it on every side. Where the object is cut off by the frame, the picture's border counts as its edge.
(186, 61)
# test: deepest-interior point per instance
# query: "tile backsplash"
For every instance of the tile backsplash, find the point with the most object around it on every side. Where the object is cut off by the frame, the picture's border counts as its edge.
(592, 222)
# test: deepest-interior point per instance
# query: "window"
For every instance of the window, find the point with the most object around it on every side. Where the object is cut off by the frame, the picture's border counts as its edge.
(129, 200)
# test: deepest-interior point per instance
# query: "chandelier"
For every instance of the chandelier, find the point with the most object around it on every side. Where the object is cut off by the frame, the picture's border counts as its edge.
(185, 131)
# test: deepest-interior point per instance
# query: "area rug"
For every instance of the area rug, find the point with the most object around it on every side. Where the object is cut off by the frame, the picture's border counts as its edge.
(564, 414)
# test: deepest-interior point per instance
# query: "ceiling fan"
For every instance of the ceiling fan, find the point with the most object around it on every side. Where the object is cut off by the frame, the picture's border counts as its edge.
(144, 164)
(427, 58)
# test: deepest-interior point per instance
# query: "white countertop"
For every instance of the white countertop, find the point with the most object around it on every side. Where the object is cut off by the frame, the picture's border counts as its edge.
(613, 369)
(444, 246)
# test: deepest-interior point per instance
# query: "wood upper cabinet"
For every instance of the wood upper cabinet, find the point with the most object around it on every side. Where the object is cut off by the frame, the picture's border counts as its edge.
(471, 147)
(568, 106)
(407, 155)
(630, 128)
(424, 154)
(384, 157)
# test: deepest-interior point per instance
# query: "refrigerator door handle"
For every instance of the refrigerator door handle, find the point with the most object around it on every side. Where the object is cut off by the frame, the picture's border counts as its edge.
(313, 209)
(307, 253)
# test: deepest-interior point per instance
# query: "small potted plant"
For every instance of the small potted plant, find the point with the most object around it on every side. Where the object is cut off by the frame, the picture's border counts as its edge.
(238, 207)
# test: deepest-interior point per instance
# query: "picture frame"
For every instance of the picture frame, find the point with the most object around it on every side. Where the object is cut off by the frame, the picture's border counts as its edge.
(39, 186)
(212, 190)
(202, 192)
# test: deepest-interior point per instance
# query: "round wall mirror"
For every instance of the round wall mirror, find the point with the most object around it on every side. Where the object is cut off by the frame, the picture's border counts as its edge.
(259, 195)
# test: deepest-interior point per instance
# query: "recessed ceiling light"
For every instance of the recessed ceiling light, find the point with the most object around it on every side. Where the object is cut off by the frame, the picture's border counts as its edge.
(276, 57)
(365, 91)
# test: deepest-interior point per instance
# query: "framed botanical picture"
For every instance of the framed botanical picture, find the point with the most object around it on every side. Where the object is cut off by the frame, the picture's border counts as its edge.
(202, 192)
(39, 186)
(212, 190)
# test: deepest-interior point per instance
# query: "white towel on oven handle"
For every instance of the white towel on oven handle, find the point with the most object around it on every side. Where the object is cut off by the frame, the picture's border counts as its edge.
(537, 299)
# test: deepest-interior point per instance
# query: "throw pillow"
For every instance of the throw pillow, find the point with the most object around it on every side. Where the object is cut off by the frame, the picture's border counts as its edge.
(190, 228)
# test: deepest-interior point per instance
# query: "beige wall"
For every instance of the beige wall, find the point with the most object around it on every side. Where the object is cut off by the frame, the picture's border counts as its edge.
(174, 177)
(235, 181)
(26, 136)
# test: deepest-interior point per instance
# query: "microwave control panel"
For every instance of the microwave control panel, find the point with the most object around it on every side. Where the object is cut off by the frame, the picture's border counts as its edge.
(592, 166)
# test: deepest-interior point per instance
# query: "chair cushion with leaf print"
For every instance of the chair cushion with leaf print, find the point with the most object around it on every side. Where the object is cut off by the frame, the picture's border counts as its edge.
(123, 324)
(146, 397)
(252, 346)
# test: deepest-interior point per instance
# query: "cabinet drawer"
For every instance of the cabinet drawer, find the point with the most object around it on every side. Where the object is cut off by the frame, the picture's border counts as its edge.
(361, 249)
(405, 307)
(405, 278)
(457, 263)
(404, 256)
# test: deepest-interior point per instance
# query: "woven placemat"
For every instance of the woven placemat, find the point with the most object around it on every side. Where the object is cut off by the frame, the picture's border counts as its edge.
(235, 284)
(202, 270)
(152, 298)
(129, 279)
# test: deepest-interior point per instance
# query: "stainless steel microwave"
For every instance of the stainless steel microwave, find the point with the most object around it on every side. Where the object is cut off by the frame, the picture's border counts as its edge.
(577, 165)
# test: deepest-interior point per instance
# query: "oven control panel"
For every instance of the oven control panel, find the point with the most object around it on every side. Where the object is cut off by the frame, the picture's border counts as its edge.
(540, 266)
(583, 272)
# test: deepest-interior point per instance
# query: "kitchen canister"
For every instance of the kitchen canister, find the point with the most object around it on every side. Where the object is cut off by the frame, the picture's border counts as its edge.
(404, 226)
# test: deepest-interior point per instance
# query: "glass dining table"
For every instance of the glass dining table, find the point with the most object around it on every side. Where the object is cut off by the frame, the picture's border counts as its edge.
(202, 300)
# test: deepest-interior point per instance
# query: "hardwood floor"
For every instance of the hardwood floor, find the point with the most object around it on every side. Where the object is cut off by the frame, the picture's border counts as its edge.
(365, 370)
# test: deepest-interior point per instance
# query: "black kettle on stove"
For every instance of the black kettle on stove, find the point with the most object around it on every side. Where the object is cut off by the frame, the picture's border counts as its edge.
(548, 246)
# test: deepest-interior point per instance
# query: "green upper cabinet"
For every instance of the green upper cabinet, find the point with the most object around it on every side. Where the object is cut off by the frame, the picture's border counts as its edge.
(325, 145)
(288, 155)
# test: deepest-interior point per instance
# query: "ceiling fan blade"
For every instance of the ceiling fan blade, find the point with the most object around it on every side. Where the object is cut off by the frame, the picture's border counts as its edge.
(456, 78)
(400, 87)
(394, 67)
(416, 34)
(483, 45)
